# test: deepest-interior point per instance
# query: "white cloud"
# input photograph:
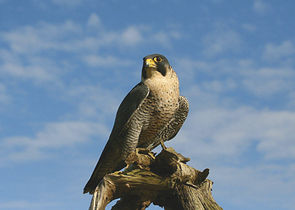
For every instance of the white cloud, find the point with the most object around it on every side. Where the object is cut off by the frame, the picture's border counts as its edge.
(94, 21)
(226, 75)
(244, 147)
(45, 37)
(24, 204)
(131, 36)
(145, 34)
(277, 135)
(189, 69)
(263, 183)
(219, 86)
(96, 60)
(38, 52)
(261, 7)
(36, 68)
(54, 136)
(274, 52)
(18, 70)
(4, 97)
(94, 102)
(163, 38)
(225, 133)
(269, 81)
(42, 37)
(221, 41)
(249, 27)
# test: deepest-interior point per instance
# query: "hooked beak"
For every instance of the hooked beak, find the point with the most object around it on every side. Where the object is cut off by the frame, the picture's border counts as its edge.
(149, 63)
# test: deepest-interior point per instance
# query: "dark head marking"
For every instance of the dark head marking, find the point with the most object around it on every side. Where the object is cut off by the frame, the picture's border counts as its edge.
(161, 62)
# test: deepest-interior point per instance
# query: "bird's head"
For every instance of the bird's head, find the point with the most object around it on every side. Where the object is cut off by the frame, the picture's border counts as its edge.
(155, 65)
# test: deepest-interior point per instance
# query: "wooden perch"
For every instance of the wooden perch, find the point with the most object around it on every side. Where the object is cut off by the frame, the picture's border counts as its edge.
(164, 180)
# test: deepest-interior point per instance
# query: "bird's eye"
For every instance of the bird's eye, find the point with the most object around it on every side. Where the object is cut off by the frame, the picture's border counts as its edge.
(157, 59)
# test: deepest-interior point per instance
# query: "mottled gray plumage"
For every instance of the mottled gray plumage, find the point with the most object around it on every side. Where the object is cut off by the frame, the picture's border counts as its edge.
(152, 112)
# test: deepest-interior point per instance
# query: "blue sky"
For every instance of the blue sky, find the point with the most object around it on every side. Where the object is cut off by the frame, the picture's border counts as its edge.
(65, 66)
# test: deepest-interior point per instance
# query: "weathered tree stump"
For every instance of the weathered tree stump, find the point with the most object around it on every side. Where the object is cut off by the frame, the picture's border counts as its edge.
(165, 180)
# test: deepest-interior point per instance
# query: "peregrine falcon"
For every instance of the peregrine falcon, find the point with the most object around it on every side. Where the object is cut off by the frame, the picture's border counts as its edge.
(151, 113)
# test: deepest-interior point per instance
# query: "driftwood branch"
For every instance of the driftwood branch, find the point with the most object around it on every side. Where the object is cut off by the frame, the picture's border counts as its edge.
(165, 180)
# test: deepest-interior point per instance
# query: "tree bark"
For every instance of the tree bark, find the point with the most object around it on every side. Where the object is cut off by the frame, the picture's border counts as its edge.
(165, 180)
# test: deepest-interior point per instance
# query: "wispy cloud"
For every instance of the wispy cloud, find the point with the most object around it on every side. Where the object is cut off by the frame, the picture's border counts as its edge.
(226, 75)
(249, 27)
(38, 69)
(269, 81)
(94, 21)
(244, 147)
(93, 102)
(263, 184)
(57, 135)
(43, 36)
(228, 133)
(261, 7)
(38, 52)
(108, 61)
(221, 41)
(23, 204)
(131, 36)
(219, 86)
(273, 52)
(223, 124)
(4, 96)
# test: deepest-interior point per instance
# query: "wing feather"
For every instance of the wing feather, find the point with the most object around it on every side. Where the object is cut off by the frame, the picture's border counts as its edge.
(110, 160)
(128, 106)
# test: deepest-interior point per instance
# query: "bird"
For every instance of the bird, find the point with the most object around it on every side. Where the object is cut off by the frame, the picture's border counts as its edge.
(151, 113)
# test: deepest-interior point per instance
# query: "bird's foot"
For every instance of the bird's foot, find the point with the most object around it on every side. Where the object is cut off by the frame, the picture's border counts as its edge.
(163, 145)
